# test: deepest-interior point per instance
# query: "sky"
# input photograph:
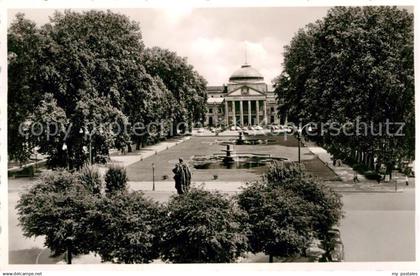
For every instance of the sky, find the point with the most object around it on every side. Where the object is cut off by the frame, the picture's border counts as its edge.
(216, 41)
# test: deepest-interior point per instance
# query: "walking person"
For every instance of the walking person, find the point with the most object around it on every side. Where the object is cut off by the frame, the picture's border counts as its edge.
(406, 180)
(379, 178)
(355, 178)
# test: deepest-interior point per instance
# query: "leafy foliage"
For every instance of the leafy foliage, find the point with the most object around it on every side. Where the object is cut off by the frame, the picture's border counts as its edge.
(57, 207)
(280, 221)
(115, 180)
(356, 64)
(23, 43)
(126, 228)
(327, 203)
(188, 88)
(90, 178)
(287, 209)
(50, 120)
(202, 227)
(89, 69)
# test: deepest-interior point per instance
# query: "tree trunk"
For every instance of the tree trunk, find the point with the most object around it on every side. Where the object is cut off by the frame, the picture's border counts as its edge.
(69, 256)
(390, 167)
(371, 161)
(174, 128)
(138, 144)
(270, 258)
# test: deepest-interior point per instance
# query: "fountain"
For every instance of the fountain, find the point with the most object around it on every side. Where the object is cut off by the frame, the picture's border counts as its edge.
(229, 158)
(233, 160)
(241, 140)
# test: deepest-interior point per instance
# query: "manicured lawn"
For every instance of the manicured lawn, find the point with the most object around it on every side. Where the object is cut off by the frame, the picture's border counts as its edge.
(318, 169)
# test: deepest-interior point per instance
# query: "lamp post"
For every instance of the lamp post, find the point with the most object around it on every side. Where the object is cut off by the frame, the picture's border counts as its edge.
(153, 176)
(299, 137)
(36, 157)
(81, 131)
(64, 148)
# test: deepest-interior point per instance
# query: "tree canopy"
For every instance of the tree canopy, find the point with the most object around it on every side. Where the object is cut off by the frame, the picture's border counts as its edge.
(58, 207)
(354, 65)
(126, 227)
(186, 85)
(202, 227)
(91, 70)
(286, 210)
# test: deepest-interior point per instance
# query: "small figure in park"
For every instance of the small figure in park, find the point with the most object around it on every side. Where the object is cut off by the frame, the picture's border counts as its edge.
(406, 180)
(355, 178)
(182, 177)
(379, 178)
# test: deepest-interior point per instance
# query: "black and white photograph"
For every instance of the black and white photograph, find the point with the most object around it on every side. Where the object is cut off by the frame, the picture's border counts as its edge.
(210, 135)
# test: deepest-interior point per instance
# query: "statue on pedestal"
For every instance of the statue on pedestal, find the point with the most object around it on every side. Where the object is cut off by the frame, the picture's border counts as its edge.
(182, 177)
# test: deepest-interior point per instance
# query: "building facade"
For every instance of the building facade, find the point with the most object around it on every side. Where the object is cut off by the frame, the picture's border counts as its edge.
(244, 101)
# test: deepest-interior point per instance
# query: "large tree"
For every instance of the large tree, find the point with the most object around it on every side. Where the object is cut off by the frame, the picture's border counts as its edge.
(24, 41)
(92, 63)
(82, 61)
(354, 65)
(186, 85)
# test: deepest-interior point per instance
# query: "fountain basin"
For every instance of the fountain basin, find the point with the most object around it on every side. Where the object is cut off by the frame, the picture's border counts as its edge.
(238, 161)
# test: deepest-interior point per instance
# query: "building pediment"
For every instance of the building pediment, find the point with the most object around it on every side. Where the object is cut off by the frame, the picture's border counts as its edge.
(245, 91)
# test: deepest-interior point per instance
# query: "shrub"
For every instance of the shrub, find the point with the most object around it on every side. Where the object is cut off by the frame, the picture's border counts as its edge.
(360, 168)
(57, 207)
(115, 180)
(28, 171)
(202, 227)
(90, 178)
(126, 227)
(280, 222)
(372, 175)
(285, 201)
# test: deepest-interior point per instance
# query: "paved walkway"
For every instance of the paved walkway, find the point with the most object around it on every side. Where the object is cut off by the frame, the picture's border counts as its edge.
(127, 159)
(346, 173)
(169, 186)
(133, 157)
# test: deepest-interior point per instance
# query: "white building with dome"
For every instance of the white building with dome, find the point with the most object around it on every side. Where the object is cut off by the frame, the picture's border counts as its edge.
(244, 101)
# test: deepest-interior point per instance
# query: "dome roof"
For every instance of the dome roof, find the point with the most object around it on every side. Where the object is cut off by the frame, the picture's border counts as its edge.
(246, 73)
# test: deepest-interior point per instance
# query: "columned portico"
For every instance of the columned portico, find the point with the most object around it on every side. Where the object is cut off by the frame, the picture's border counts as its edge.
(233, 113)
(241, 108)
(226, 112)
(249, 113)
(245, 100)
(265, 112)
(258, 112)
(245, 111)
